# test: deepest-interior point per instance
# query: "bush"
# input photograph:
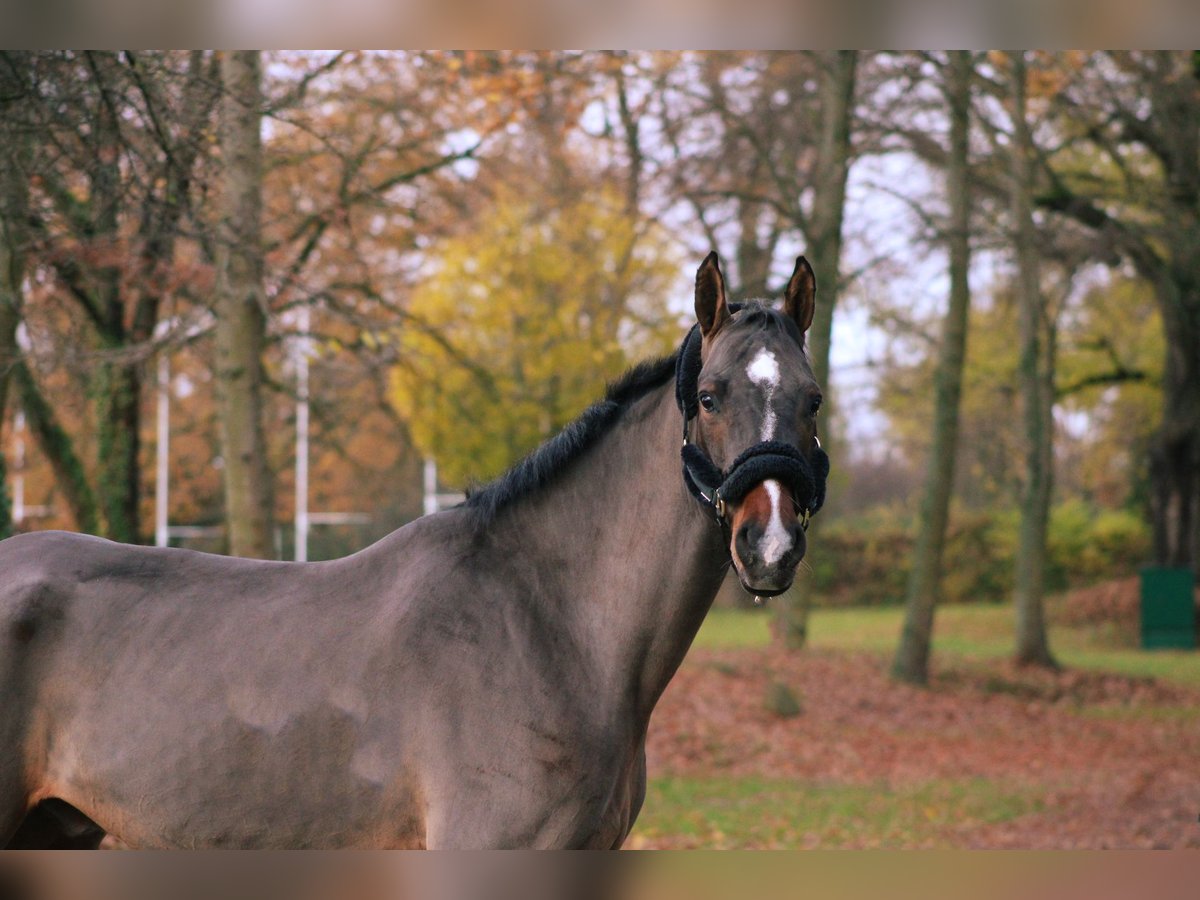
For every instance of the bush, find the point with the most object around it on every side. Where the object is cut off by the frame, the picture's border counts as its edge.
(866, 560)
(1088, 545)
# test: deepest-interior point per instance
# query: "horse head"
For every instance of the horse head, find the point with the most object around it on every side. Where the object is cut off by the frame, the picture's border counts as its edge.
(754, 440)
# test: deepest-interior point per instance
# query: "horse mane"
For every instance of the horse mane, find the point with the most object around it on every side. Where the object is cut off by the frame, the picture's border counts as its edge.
(537, 469)
(540, 467)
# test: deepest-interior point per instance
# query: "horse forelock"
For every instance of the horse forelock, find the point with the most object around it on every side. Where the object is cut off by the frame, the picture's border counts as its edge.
(760, 316)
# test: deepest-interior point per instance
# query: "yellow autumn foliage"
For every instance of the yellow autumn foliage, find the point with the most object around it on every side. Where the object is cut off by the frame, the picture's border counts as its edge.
(521, 322)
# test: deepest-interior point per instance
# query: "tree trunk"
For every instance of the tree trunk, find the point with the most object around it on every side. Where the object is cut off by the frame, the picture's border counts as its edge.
(824, 235)
(241, 311)
(14, 239)
(824, 251)
(1175, 459)
(16, 381)
(58, 449)
(924, 584)
(1032, 646)
(118, 388)
(753, 253)
(8, 353)
(1175, 453)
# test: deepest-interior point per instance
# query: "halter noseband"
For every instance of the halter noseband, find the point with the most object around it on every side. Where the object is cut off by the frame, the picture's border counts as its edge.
(715, 489)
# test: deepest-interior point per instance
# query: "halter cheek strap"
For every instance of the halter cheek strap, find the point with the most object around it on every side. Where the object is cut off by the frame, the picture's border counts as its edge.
(715, 489)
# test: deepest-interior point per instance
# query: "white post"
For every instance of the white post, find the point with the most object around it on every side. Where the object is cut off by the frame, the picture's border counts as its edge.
(18, 508)
(302, 436)
(431, 498)
(162, 536)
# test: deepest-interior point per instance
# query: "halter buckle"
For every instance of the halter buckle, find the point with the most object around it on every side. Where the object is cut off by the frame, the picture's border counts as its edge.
(718, 504)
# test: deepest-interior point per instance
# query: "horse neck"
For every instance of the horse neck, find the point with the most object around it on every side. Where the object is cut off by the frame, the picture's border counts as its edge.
(627, 555)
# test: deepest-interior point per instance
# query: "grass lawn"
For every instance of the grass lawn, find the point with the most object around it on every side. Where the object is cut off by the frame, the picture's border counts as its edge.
(1054, 799)
(981, 631)
(729, 813)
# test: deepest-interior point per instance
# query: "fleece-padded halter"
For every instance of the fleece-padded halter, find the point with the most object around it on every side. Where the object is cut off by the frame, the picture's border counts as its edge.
(766, 459)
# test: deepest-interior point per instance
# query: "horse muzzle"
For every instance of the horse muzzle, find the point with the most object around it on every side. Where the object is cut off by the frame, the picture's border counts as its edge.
(767, 540)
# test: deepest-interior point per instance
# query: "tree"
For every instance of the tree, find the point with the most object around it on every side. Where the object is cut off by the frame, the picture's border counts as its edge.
(13, 247)
(115, 143)
(1137, 114)
(911, 663)
(241, 311)
(14, 368)
(1036, 376)
(777, 165)
(1114, 342)
(371, 159)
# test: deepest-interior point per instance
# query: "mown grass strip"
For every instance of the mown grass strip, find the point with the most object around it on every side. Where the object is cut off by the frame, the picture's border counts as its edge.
(977, 631)
(741, 813)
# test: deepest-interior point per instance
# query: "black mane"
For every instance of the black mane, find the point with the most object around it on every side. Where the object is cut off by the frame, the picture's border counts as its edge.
(539, 467)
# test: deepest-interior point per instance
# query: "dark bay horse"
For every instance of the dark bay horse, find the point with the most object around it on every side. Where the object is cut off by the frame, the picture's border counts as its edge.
(483, 677)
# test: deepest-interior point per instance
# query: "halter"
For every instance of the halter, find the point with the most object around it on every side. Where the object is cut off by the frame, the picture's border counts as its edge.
(715, 489)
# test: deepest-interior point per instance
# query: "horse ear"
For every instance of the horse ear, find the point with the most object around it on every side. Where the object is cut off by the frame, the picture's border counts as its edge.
(800, 298)
(711, 309)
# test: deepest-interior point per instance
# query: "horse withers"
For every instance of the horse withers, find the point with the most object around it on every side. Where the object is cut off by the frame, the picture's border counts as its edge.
(482, 677)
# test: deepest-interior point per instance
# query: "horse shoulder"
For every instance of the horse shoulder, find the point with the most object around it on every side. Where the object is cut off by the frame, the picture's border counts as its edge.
(35, 584)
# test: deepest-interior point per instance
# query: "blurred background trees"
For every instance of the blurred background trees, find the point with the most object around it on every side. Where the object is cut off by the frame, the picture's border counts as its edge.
(465, 246)
(522, 321)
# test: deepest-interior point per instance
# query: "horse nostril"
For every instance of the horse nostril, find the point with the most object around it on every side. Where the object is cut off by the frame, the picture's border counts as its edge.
(799, 545)
(748, 537)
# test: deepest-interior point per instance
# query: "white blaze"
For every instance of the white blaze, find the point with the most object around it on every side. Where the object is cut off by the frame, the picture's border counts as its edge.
(764, 371)
(775, 541)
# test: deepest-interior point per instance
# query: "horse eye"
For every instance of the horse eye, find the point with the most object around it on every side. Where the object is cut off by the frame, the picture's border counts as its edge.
(814, 406)
(707, 401)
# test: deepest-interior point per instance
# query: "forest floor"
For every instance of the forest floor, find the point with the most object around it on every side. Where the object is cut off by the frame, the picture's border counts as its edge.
(1104, 754)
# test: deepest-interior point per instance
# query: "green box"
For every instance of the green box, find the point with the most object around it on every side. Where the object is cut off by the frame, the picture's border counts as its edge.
(1168, 609)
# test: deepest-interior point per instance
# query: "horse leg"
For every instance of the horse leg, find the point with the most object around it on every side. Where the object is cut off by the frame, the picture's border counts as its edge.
(511, 823)
(11, 814)
(49, 825)
(14, 799)
(14, 794)
(478, 826)
(32, 613)
(56, 825)
(636, 788)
